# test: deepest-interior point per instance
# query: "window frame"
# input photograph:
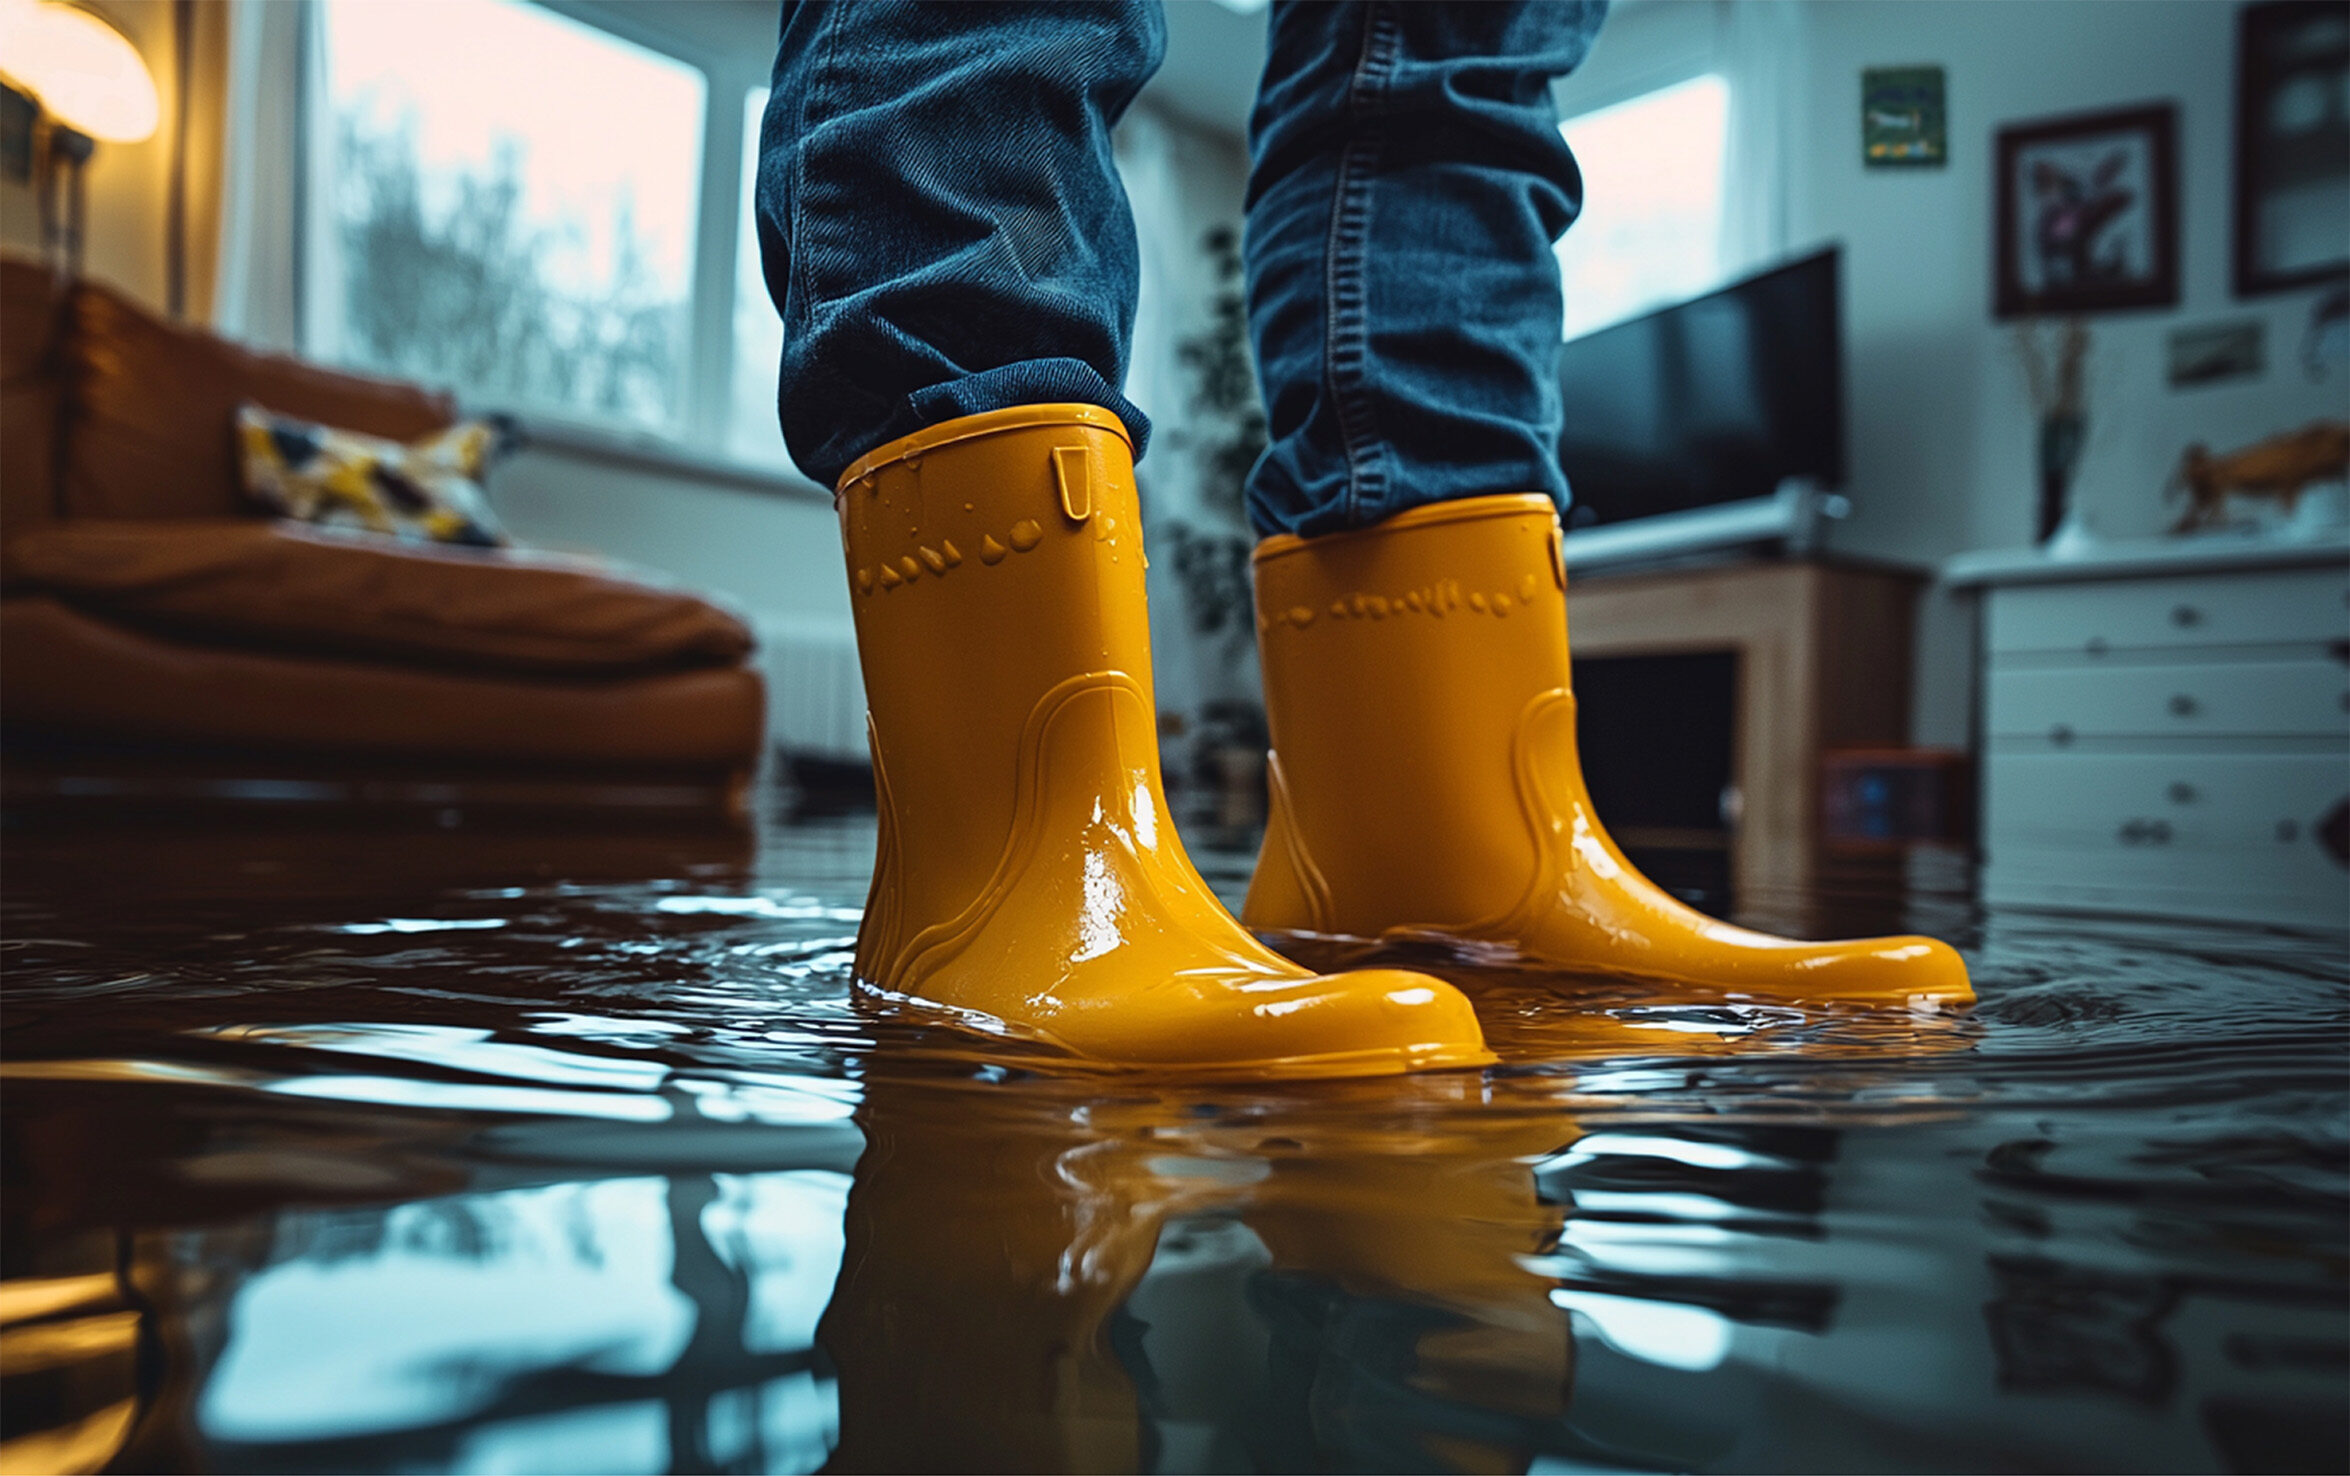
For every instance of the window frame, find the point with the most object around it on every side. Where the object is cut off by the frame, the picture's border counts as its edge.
(730, 69)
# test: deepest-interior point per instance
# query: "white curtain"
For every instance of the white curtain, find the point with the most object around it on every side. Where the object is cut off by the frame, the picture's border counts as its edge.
(260, 260)
(1758, 45)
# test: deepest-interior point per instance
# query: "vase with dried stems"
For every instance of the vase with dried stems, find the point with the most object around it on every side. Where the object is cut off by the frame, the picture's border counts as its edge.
(2053, 356)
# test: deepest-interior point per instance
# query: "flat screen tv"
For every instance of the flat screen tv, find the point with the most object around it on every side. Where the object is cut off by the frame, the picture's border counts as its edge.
(1716, 400)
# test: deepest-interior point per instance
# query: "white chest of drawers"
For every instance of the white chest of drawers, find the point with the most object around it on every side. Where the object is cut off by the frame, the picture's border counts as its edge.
(2165, 730)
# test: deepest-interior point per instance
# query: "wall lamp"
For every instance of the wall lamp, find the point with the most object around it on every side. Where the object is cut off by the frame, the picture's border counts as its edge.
(89, 83)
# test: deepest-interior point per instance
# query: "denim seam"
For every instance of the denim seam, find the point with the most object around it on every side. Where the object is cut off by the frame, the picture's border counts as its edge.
(1346, 322)
(799, 290)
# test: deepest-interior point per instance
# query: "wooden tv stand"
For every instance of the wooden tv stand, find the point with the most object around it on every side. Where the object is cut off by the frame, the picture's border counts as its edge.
(1823, 652)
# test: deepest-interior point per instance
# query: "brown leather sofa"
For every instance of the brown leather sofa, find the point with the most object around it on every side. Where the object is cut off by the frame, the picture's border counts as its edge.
(160, 637)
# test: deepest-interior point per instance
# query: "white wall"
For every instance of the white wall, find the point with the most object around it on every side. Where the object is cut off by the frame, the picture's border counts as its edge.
(1941, 433)
(775, 551)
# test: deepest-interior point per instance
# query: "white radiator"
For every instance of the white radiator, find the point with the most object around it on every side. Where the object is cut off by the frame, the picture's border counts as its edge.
(815, 693)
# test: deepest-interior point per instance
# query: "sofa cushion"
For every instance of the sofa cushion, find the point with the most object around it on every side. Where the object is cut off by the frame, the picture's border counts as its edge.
(73, 674)
(286, 587)
(152, 427)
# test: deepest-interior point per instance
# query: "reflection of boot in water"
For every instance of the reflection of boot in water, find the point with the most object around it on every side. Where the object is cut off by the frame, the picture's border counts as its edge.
(994, 1240)
(1404, 1324)
(988, 1249)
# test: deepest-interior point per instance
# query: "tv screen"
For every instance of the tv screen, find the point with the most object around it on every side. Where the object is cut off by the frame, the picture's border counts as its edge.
(1714, 400)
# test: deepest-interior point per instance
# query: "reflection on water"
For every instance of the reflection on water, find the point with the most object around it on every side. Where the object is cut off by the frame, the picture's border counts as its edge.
(510, 1153)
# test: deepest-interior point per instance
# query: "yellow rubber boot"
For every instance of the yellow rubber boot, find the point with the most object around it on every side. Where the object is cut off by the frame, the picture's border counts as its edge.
(1425, 778)
(1029, 879)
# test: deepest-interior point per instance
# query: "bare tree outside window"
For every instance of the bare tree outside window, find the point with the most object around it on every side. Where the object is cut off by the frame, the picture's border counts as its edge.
(523, 234)
(462, 295)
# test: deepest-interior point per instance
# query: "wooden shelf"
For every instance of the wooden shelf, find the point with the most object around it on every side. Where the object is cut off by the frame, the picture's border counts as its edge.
(1823, 662)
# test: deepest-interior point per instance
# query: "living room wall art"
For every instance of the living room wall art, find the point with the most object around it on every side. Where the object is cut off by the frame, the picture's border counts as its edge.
(2292, 195)
(1903, 118)
(2087, 213)
(2214, 353)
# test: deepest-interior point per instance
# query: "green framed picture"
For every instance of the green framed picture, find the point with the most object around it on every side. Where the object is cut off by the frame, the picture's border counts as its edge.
(1903, 122)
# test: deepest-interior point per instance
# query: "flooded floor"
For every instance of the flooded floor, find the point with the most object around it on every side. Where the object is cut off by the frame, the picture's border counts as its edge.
(496, 1152)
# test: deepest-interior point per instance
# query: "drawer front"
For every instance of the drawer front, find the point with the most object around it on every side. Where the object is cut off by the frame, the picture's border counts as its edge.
(2248, 821)
(2233, 699)
(2103, 615)
(2176, 886)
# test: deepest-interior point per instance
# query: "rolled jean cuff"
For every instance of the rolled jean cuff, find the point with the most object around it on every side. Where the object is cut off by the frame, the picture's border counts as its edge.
(1031, 382)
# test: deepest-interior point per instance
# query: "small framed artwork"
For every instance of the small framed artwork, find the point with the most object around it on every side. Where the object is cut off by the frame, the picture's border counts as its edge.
(1903, 120)
(2088, 213)
(2292, 204)
(2210, 353)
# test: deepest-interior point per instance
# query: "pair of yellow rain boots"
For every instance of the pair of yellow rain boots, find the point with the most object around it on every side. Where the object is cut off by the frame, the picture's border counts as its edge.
(1029, 880)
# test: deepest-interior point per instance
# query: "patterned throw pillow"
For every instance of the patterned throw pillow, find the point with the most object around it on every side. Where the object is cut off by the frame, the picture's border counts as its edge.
(426, 491)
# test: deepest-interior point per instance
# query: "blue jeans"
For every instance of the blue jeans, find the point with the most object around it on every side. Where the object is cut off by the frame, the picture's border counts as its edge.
(943, 230)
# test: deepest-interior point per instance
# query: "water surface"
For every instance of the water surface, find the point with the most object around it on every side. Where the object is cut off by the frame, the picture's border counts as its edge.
(491, 1151)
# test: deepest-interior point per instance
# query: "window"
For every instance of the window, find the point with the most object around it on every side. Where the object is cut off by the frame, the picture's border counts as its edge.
(545, 205)
(1653, 184)
(505, 227)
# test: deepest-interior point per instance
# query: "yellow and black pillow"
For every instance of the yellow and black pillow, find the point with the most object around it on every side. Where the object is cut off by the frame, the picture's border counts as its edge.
(428, 490)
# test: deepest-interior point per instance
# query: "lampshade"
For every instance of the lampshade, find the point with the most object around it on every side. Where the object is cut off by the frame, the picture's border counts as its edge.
(85, 72)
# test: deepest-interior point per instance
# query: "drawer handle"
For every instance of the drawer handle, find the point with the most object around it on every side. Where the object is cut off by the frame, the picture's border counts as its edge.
(2095, 646)
(2185, 615)
(2060, 735)
(2182, 705)
(2145, 833)
(2182, 793)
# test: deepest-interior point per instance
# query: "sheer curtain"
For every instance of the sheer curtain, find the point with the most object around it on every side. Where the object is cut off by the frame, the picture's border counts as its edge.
(257, 299)
(1756, 48)
(1759, 47)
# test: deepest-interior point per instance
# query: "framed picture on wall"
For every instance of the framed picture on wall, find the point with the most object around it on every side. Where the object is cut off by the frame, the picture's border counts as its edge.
(2088, 213)
(1903, 118)
(2292, 202)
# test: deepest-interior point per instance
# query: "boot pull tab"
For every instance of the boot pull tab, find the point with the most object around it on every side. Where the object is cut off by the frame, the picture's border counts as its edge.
(1558, 553)
(1073, 470)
